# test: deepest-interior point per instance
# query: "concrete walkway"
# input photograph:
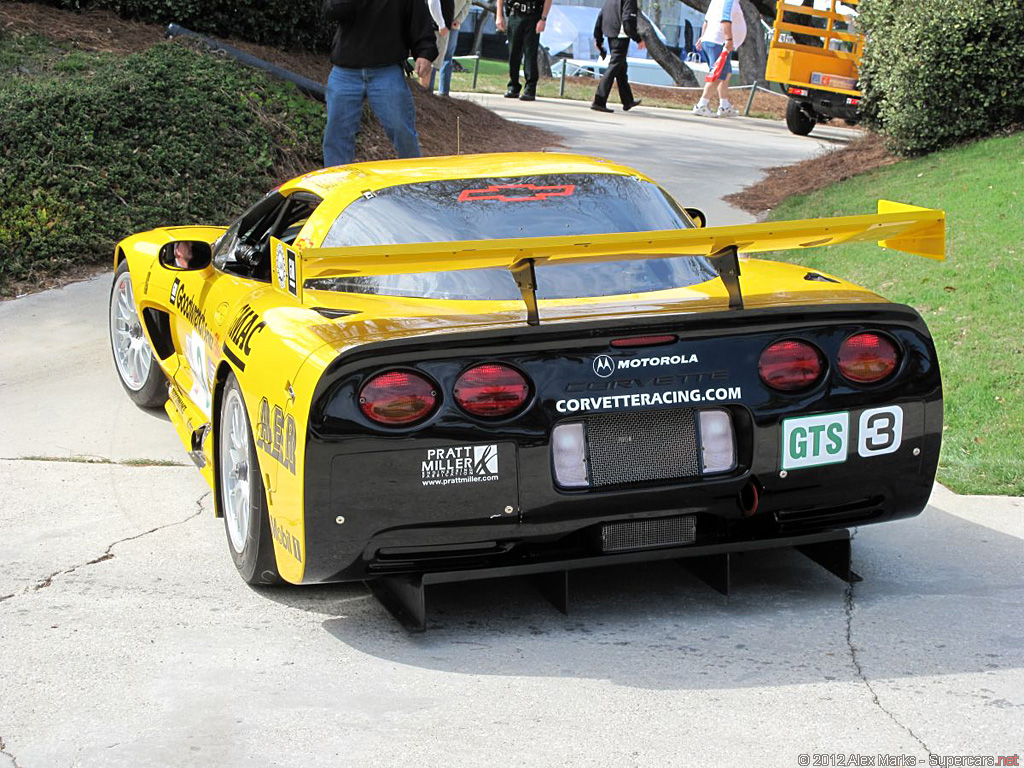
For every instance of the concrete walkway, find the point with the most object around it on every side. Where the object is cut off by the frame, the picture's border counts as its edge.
(127, 639)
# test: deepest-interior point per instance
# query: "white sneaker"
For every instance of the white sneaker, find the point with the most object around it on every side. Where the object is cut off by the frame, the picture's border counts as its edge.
(700, 111)
(729, 111)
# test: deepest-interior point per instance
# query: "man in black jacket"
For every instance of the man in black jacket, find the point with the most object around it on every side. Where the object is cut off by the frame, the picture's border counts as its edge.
(371, 45)
(617, 22)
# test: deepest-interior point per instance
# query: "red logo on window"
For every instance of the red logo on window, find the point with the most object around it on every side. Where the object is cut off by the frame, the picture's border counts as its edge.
(536, 192)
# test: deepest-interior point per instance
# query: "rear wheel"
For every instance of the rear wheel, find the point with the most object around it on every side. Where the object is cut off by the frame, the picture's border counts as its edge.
(797, 119)
(243, 498)
(140, 375)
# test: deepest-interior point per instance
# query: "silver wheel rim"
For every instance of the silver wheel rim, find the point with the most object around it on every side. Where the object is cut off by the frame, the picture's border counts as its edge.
(131, 350)
(235, 470)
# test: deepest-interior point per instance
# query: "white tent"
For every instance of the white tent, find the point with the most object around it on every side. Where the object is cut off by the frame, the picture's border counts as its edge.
(572, 26)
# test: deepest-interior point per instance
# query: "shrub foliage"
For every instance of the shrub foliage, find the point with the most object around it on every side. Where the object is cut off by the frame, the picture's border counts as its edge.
(90, 154)
(938, 72)
(284, 23)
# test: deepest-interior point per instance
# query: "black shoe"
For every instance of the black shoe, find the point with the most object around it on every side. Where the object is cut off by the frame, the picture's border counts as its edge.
(512, 93)
(600, 107)
(528, 96)
(634, 103)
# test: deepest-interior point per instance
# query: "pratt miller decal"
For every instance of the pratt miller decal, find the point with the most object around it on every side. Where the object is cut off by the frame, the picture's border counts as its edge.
(460, 464)
(605, 366)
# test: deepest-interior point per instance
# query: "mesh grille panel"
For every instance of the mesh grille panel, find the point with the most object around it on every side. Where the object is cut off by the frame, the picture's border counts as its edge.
(645, 534)
(641, 447)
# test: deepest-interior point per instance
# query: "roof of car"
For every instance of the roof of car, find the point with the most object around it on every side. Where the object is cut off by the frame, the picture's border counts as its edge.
(388, 173)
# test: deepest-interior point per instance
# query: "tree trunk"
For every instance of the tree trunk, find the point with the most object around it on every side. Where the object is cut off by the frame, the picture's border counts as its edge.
(753, 53)
(679, 72)
(543, 62)
(478, 35)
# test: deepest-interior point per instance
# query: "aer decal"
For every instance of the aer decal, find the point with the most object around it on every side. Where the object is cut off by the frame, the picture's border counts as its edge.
(276, 434)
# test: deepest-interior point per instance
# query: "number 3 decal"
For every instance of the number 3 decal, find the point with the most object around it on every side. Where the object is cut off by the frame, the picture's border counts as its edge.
(881, 431)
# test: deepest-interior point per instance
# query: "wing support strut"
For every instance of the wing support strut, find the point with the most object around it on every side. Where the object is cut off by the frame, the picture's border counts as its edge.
(727, 262)
(526, 278)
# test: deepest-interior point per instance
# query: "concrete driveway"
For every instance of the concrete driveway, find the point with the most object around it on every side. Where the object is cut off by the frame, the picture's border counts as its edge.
(127, 639)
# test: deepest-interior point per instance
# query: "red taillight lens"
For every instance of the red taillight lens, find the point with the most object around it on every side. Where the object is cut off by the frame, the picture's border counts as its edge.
(790, 365)
(397, 398)
(491, 390)
(867, 358)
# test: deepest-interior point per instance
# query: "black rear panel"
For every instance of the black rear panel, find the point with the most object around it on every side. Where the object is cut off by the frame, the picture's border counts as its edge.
(462, 489)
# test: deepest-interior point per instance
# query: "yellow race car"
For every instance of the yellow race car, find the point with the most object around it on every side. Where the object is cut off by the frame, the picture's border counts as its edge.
(417, 371)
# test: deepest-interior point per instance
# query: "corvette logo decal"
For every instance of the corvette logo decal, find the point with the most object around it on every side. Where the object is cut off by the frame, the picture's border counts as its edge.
(530, 192)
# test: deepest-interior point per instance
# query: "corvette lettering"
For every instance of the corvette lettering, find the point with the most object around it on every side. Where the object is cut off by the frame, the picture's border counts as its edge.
(642, 383)
(245, 327)
(644, 399)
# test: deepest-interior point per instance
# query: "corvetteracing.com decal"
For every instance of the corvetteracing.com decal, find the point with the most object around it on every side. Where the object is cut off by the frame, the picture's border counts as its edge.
(460, 464)
(643, 399)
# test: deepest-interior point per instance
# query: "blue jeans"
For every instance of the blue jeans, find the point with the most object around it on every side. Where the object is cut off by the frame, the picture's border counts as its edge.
(446, 66)
(390, 100)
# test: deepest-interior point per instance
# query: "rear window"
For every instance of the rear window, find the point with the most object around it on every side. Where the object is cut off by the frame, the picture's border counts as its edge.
(525, 206)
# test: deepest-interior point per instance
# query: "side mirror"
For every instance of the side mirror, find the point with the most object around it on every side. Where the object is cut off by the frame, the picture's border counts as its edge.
(698, 217)
(186, 255)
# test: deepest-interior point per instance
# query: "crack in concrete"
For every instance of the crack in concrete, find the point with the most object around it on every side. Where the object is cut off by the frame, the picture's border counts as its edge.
(848, 600)
(109, 554)
(3, 751)
(99, 460)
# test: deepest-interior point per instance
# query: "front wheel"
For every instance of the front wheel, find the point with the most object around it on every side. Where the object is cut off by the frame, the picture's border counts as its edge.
(137, 369)
(797, 119)
(243, 499)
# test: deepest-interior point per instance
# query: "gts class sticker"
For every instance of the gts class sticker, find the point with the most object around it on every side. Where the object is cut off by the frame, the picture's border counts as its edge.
(460, 464)
(812, 441)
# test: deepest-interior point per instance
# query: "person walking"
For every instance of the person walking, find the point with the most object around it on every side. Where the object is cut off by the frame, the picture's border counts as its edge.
(618, 22)
(444, 83)
(526, 20)
(442, 13)
(724, 30)
(371, 45)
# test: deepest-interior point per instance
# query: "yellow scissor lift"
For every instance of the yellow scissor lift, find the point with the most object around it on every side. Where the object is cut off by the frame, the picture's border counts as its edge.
(817, 64)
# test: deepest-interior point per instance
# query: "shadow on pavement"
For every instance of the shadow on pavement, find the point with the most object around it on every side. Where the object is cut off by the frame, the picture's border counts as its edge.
(941, 596)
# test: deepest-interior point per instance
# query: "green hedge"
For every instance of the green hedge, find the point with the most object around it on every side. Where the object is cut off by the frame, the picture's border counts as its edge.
(284, 23)
(115, 145)
(938, 72)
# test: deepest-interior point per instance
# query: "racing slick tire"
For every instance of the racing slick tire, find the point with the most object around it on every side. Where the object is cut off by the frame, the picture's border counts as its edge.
(142, 378)
(797, 119)
(243, 499)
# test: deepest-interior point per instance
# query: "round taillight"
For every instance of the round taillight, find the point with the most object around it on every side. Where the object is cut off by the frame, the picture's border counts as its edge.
(397, 398)
(790, 365)
(866, 358)
(491, 390)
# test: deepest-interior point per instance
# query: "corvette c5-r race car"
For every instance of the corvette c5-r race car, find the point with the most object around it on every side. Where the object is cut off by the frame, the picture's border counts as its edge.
(415, 371)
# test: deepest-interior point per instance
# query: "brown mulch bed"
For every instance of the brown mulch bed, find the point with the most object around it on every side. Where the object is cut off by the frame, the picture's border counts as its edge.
(859, 156)
(438, 118)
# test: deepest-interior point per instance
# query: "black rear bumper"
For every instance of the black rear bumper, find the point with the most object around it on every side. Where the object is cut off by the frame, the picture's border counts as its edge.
(394, 523)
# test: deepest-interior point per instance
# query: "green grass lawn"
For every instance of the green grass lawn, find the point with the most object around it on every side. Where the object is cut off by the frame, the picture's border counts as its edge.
(971, 302)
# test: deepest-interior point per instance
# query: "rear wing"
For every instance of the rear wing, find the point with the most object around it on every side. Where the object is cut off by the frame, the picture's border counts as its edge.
(905, 228)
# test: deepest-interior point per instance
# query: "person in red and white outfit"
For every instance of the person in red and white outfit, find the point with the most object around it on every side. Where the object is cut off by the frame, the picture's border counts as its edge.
(724, 30)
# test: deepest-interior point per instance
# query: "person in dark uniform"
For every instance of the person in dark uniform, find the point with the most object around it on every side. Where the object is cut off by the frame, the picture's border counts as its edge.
(617, 22)
(526, 20)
